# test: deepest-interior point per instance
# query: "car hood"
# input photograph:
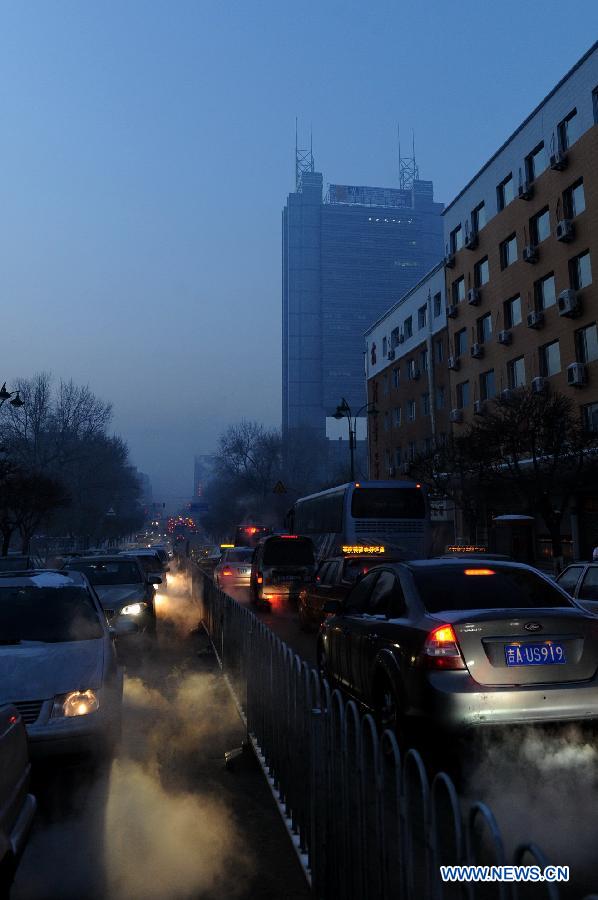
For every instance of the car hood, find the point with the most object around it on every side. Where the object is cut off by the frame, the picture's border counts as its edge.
(115, 595)
(40, 671)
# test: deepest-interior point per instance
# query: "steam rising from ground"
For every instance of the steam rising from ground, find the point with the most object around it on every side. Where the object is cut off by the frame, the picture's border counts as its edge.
(163, 839)
(542, 785)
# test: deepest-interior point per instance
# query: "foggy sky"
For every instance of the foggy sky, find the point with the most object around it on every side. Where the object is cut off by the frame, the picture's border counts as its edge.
(147, 151)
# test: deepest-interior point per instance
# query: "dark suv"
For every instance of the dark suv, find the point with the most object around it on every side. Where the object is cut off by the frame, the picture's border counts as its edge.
(282, 565)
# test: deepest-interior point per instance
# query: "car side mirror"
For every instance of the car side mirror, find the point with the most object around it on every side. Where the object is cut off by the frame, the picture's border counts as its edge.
(154, 579)
(334, 607)
(123, 627)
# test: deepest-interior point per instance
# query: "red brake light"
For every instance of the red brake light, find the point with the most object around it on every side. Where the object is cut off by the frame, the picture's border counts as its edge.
(441, 649)
(227, 571)
(480, 572)
(287, 537)
(12, 720)
(260, 579)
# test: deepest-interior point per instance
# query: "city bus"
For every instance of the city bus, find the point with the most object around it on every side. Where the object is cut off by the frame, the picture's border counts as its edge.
(393, 513)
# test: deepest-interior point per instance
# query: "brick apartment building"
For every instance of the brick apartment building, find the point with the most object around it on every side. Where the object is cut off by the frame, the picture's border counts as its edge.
(521, 297)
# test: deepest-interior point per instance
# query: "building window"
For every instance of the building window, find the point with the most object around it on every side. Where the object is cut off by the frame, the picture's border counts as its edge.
(397, 416)
(439, 398)
(568, 130)
(437, 305)
(425, 404)
(550, 359)
(408, 327)
(485, 328)
(462, 394)
(516, 372)
(505, 192)
(478, 218)
(427, 444)
(513, 312)
(487, 385)
(580, 271)
(411, 410)
(422, 317)
(456, 239)
(574, 200)
(545, 292)
(539, 226)
(590, 417)
(586, 343)
(423, 361)
(412, 450)
(395, 337)
(535, 162)
(439, 350)
(458, 290)
(461, 342)
(412, 372)
(384, 346)
(386, 422)
(481, 272)
(508, 251)
(396, 377)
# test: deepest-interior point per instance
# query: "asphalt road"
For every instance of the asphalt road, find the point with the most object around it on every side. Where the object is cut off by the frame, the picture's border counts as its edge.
(166, 819)
(284, 622)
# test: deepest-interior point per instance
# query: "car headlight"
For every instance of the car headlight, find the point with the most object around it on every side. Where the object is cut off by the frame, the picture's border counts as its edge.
(133, 609)
(75, 703)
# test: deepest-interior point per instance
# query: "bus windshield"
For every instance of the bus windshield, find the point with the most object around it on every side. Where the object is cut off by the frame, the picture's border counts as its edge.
(388, 503)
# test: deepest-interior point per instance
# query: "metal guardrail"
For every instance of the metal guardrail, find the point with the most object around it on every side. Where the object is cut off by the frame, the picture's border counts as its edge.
(367, 824)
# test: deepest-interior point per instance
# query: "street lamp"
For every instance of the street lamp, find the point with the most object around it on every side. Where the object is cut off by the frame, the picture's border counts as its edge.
(6, 395)
(343, 410)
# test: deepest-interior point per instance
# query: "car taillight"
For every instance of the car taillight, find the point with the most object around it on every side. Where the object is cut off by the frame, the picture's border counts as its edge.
(227, 571)
(441, 650)
(260, 579)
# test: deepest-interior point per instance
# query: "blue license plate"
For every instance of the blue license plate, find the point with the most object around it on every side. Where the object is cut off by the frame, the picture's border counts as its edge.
(544, 654)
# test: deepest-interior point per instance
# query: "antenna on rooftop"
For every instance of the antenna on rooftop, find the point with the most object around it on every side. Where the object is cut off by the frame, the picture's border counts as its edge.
(304, 159)
(408, 170)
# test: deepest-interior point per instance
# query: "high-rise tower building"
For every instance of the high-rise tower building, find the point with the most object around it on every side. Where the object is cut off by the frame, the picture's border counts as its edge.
(347, 257)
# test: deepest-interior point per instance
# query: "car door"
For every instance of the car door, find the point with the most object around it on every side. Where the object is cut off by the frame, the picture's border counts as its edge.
(568, 579)
(587, 589)
(345, 627)
(373, 631)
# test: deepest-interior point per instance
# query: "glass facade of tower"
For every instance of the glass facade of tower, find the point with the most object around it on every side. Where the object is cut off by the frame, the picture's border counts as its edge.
(345, 262)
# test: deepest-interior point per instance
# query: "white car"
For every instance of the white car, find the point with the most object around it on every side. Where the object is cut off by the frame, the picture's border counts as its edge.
(58, 663)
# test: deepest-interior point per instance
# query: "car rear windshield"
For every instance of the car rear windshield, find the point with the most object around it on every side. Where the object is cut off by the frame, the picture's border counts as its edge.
(388, 503)
(149, 564)
(457, 587)
(289, 552)
(109, 573)
(355, 568)
(239, 555)
(51, 615)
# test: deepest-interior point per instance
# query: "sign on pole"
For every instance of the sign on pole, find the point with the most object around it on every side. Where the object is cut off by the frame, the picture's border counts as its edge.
(279, 488)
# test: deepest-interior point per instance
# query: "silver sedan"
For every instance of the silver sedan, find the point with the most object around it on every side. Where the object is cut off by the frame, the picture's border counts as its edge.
(234, 569)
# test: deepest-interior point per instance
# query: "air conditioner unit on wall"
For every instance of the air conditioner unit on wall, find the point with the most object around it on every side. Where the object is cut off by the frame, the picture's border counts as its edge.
(540, 385)
(471, 241)
(526, 191)
(479, 407)
(577, 374)
(505, 337)
(452, 311)
(454, 363)
(456, 416)
(449, 260)
(530, 254)
(474, 296)
(565, 231)
(391, 354)
(477, 350)
(535, 319)
(507, 395)
(569, 304)
(558, 161)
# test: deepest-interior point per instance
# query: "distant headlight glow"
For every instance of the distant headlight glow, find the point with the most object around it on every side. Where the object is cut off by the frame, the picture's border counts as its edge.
(133, 609)
(76, 703)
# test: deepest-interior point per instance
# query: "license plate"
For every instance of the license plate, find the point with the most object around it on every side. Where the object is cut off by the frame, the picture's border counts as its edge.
(545, 654)
(282, 578)
(243, 571)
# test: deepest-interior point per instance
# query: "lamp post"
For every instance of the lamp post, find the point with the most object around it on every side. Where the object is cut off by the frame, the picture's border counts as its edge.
(343, 410)
(7, 395)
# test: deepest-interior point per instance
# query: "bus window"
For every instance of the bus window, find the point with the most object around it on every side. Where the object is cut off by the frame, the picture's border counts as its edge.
(385, 503)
